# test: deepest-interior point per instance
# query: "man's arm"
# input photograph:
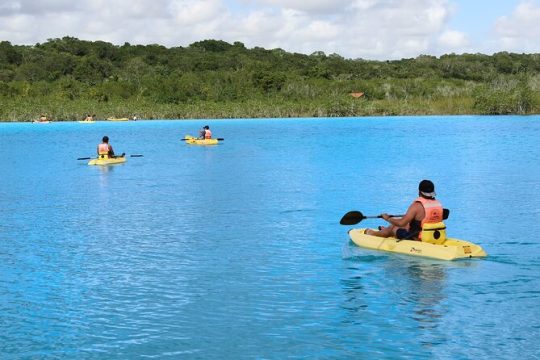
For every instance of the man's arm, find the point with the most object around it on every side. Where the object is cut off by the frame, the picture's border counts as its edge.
(406, 220)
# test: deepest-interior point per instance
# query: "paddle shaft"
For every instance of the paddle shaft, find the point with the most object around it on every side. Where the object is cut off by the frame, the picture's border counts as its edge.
(380, 216)
(354, 217)
(219, 139)
(88, 158)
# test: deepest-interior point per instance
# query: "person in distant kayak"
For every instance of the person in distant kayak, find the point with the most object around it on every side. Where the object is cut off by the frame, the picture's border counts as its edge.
(105, 148)
(43, 118)
(207, 132)
(202, 133)
(424, 209)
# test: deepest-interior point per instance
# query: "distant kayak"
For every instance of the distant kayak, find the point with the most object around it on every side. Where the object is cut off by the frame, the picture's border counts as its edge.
(450, 249)
(86, 122)
(117, 119)
(41, 122)
(105, 160)
(195, 141)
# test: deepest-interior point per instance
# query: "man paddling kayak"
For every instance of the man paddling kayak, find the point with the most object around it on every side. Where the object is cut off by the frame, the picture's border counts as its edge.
(205, 132)
(424, 210)
(106, 149)
(202, 133)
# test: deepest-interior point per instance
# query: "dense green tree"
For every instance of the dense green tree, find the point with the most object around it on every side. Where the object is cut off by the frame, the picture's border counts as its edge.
(92, 70)
(216, 78)
(9, 54)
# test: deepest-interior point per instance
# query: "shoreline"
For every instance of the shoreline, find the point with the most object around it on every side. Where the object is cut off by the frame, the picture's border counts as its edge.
(29, 111)
(271, 118)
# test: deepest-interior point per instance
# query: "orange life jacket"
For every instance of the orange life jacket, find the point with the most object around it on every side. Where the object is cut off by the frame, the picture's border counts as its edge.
(103, 149)
(208, 134)
(433, 210)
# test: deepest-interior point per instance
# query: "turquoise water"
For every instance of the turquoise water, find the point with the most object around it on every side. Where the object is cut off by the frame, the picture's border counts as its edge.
(235, 251)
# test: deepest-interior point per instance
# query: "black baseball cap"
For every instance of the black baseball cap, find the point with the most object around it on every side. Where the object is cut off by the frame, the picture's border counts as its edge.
(427, 188)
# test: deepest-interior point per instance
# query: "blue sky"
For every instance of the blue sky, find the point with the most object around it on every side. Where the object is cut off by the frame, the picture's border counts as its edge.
(369, 29)
(476, 17)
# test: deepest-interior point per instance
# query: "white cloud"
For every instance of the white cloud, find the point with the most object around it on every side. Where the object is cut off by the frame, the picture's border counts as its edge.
(370, 29)
(195, 12)
(520, 31)
(355, 28)
(310, 6)
(37, 7)
(453, 40)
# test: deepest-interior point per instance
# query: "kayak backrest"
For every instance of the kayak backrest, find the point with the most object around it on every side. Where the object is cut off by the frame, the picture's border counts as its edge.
(434, 233)
(445, 214)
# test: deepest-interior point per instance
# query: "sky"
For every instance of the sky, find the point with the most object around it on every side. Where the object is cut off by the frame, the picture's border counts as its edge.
(366, 29)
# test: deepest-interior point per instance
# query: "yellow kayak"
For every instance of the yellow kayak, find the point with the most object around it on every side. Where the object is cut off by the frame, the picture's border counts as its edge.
(105, 160)
(196, 141)
(117, 119)
(449, 249)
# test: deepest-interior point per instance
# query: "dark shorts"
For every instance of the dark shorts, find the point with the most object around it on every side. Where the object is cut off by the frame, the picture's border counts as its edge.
(404, 234)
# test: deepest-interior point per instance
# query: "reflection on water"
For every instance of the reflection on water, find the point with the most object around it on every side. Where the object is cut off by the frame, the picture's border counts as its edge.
(420, 290)
(104, 172)
(354, 294)
(421, 283)
(401, 298)
(107, 168)
(396, 299)
(426, 292)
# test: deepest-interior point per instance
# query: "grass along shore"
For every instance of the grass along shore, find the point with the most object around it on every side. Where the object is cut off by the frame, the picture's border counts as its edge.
(28, 110)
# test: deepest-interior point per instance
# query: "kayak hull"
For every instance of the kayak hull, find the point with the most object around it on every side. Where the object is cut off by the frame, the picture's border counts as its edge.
(107, 161)
(451, 249)
(86, 122)
(195, 141)
(118, 119)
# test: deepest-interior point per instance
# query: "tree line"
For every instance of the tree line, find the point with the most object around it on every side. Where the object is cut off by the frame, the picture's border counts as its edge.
(67, 78)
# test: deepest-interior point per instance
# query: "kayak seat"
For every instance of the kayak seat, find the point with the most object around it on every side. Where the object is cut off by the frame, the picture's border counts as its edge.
(404, 234)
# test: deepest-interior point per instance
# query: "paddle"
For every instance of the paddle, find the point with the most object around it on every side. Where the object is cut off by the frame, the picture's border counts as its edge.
(88, 158)
(219, 139)
(354, 217)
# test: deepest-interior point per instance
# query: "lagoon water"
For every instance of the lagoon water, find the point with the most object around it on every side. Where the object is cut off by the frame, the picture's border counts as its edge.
(235, 251)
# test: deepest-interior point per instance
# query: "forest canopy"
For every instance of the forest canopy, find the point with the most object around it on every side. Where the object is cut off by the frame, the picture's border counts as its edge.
(67, 78)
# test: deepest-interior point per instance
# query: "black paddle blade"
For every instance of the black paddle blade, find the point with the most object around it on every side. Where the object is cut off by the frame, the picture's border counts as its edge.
(84, 158)
(137, 155)
(352, 218)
